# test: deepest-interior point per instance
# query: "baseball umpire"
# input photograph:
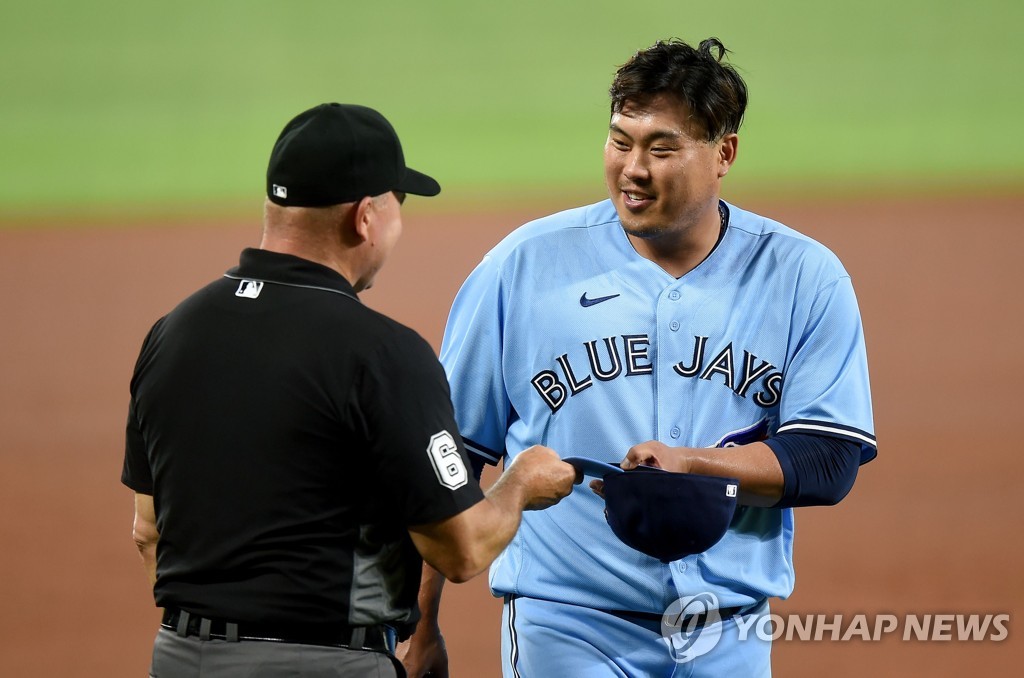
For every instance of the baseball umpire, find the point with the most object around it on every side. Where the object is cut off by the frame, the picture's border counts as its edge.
(293, 453)
(678, 330)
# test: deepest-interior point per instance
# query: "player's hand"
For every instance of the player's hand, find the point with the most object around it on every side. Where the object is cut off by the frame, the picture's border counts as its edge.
(544, 477)
(659, 455)
(651, 453)
(424, 653)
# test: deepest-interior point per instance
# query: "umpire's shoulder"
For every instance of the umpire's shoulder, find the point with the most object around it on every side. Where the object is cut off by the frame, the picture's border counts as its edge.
(391, 338)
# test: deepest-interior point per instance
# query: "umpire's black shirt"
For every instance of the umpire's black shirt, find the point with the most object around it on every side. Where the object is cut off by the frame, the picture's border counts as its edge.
(288, 435)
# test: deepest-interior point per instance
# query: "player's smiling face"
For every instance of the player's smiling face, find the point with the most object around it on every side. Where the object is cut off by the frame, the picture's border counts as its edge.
(662, 175)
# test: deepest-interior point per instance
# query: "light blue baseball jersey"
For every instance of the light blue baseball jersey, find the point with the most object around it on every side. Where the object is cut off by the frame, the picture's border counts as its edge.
(564, 336)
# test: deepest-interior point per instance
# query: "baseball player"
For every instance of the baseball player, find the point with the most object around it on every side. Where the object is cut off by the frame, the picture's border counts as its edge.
(672, 328)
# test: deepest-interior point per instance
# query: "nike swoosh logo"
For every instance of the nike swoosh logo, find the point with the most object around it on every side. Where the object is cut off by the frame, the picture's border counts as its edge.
(584, 302)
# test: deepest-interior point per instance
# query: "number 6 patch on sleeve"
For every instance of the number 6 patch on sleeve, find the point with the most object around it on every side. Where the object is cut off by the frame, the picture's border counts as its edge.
(446, 460)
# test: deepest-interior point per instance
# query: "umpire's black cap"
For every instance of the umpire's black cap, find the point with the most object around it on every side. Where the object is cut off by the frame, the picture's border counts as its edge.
(666, 515)
(336, 153)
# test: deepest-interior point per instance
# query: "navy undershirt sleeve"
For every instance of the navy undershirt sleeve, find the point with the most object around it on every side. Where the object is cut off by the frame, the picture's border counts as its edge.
(817, 470)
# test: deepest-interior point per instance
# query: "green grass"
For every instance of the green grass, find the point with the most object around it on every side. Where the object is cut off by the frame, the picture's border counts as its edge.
(112, 107)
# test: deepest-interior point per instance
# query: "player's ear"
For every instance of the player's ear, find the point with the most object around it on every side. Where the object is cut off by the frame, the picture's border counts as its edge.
(727, 146)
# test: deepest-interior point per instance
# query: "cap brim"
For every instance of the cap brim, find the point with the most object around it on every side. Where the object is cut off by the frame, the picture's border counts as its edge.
(593, 467)
(418, 183)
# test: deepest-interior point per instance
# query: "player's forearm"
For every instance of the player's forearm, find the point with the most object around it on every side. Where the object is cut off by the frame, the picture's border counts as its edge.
(754, 465)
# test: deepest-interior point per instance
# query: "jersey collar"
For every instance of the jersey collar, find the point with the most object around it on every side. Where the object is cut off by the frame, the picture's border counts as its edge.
(721, 264)
(287, 269)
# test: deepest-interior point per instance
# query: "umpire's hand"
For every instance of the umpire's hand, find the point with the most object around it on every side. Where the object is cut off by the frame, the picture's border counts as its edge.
(543, 477)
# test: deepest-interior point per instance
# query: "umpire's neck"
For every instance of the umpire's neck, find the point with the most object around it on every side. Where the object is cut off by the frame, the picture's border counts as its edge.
(341, 237)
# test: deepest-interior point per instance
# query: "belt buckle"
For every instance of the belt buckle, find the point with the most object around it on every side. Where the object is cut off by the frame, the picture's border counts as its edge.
(390, 638)
(372, 637)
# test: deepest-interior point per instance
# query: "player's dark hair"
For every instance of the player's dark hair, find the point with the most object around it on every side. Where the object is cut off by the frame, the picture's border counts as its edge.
(713, 91)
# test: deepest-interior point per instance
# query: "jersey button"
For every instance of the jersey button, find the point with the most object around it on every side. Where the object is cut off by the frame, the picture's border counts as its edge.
(682, 567)
(674, 432)
(674, 325)
(673, 295)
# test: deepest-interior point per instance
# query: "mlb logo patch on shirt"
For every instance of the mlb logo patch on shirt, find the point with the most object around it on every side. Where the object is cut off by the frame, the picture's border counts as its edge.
(250, 289)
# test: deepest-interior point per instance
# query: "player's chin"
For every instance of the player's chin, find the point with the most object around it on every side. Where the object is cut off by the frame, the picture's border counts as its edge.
(641, 223)
(641, 228)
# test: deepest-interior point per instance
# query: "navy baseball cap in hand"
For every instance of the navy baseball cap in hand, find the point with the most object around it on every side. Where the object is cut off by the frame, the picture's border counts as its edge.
(666, 515)
(593, 467)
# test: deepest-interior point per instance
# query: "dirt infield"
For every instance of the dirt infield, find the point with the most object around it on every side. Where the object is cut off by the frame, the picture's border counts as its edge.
(929, 528)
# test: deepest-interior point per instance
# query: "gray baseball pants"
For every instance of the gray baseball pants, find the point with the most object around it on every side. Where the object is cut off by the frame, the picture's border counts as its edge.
(180, 657)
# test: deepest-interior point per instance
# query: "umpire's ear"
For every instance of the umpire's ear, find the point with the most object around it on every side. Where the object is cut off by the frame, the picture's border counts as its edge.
(363, 216)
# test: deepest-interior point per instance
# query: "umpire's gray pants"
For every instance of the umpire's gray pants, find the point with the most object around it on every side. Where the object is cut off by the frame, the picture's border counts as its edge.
(177, 657)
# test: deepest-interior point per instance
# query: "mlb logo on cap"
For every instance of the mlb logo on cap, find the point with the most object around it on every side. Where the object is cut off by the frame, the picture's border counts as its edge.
(280, 191)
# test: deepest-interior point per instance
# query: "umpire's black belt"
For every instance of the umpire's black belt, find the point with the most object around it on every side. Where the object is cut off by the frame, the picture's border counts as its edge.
(380, 637)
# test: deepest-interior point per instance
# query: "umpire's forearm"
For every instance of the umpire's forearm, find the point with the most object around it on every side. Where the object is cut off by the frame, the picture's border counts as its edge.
(462, 546)
(431, 584)
(148, 552)
(145, 533)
